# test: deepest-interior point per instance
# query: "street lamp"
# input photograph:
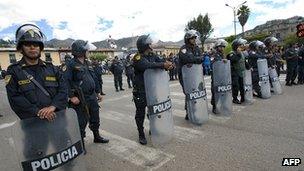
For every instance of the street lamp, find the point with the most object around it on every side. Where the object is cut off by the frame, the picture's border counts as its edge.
(234, 14)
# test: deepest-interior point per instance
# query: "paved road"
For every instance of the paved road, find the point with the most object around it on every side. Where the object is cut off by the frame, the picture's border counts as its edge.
(255, 137)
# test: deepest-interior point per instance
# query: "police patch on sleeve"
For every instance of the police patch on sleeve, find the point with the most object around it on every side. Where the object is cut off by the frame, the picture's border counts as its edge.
(7, 78)
(137, 57)
(64, 68)
(183, 50)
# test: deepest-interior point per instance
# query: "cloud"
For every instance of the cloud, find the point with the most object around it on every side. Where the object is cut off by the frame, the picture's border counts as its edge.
(95, 20)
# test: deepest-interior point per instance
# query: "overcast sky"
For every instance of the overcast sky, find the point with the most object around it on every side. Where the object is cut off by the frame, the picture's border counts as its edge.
(95, 20)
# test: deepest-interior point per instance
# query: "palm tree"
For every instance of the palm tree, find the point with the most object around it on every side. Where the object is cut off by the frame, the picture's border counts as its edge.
(243, 15)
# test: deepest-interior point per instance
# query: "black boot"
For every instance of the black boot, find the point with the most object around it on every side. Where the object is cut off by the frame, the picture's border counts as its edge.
(121, 89)
(142, 138)
(236, 101)
(214, 110)
(186, 117)
(98, 138)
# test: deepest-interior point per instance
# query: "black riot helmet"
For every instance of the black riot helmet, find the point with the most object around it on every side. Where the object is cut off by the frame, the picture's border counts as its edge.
(189, 35)
(270, 41)
(238, 42)
(29, 33)
(143, 43)
(253, 45)
(80, 47)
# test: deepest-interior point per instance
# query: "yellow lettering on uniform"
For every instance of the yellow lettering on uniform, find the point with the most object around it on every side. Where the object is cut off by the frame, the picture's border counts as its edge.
(50, 78)
(7, 78)
(22, 82)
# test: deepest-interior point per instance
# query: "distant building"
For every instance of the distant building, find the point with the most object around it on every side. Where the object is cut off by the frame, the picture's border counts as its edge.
(56, 56)
(11, 55)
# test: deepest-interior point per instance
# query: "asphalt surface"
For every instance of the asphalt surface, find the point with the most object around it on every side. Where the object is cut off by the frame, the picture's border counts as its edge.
(255, 137)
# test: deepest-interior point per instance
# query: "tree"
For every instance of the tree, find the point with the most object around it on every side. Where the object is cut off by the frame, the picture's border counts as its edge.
(243, 15)
(202, 25)
(98, 56)
(291, 39)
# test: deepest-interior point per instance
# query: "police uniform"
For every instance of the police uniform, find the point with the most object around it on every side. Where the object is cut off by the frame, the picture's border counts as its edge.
(130, 73)
(82, 75)
(98, 72)
(25, 98)
(252, 60)
(237, 68)
(291, 56)
(301, 66)
(117, 70)
(141, 63)
(188, 55)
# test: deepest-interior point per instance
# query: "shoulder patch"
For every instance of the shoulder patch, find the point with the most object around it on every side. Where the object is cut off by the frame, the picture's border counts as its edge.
(7, 78)
(64, 68)
(184, 50)
(137, 57)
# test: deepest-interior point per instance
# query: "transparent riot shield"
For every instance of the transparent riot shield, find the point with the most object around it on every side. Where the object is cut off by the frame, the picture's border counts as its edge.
(264, 78)
(196, 95)
(44, 145)
(277, 88)
(159, 105)
(248, 87)
(222, 87)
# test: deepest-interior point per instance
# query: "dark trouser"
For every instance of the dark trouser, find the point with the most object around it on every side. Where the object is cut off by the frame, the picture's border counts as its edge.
(180, 76)
(278, 68)
(175, 73)
(94, 120)
(237, 85)
(207, 69)
(101, 87)
(212, 92)
(130, 78)
(140, 104)
(171, 74)
(301, 73)
(255, 82)
(118, 81)
(291, 72)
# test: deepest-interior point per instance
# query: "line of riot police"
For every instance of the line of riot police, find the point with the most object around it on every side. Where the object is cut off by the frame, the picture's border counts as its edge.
(241, 72)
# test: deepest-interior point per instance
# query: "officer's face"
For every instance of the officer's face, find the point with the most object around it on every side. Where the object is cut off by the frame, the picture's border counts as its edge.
(31, 50)
(192, 41)
(221, 49)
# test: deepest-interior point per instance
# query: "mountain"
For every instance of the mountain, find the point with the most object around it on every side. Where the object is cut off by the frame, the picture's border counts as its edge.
(56, 43)
(127, 42)
(280, 28)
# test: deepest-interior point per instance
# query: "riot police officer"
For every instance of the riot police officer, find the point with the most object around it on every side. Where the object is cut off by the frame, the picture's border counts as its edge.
(217, 56)
(291, 56)
(237, 67)
(145, 59)
(83, 89)
(189, 53)
(270, 43)
(256, 51)
(117, 69)
(301, 66)
(35, 88)
(129, 71)
(98, 72)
